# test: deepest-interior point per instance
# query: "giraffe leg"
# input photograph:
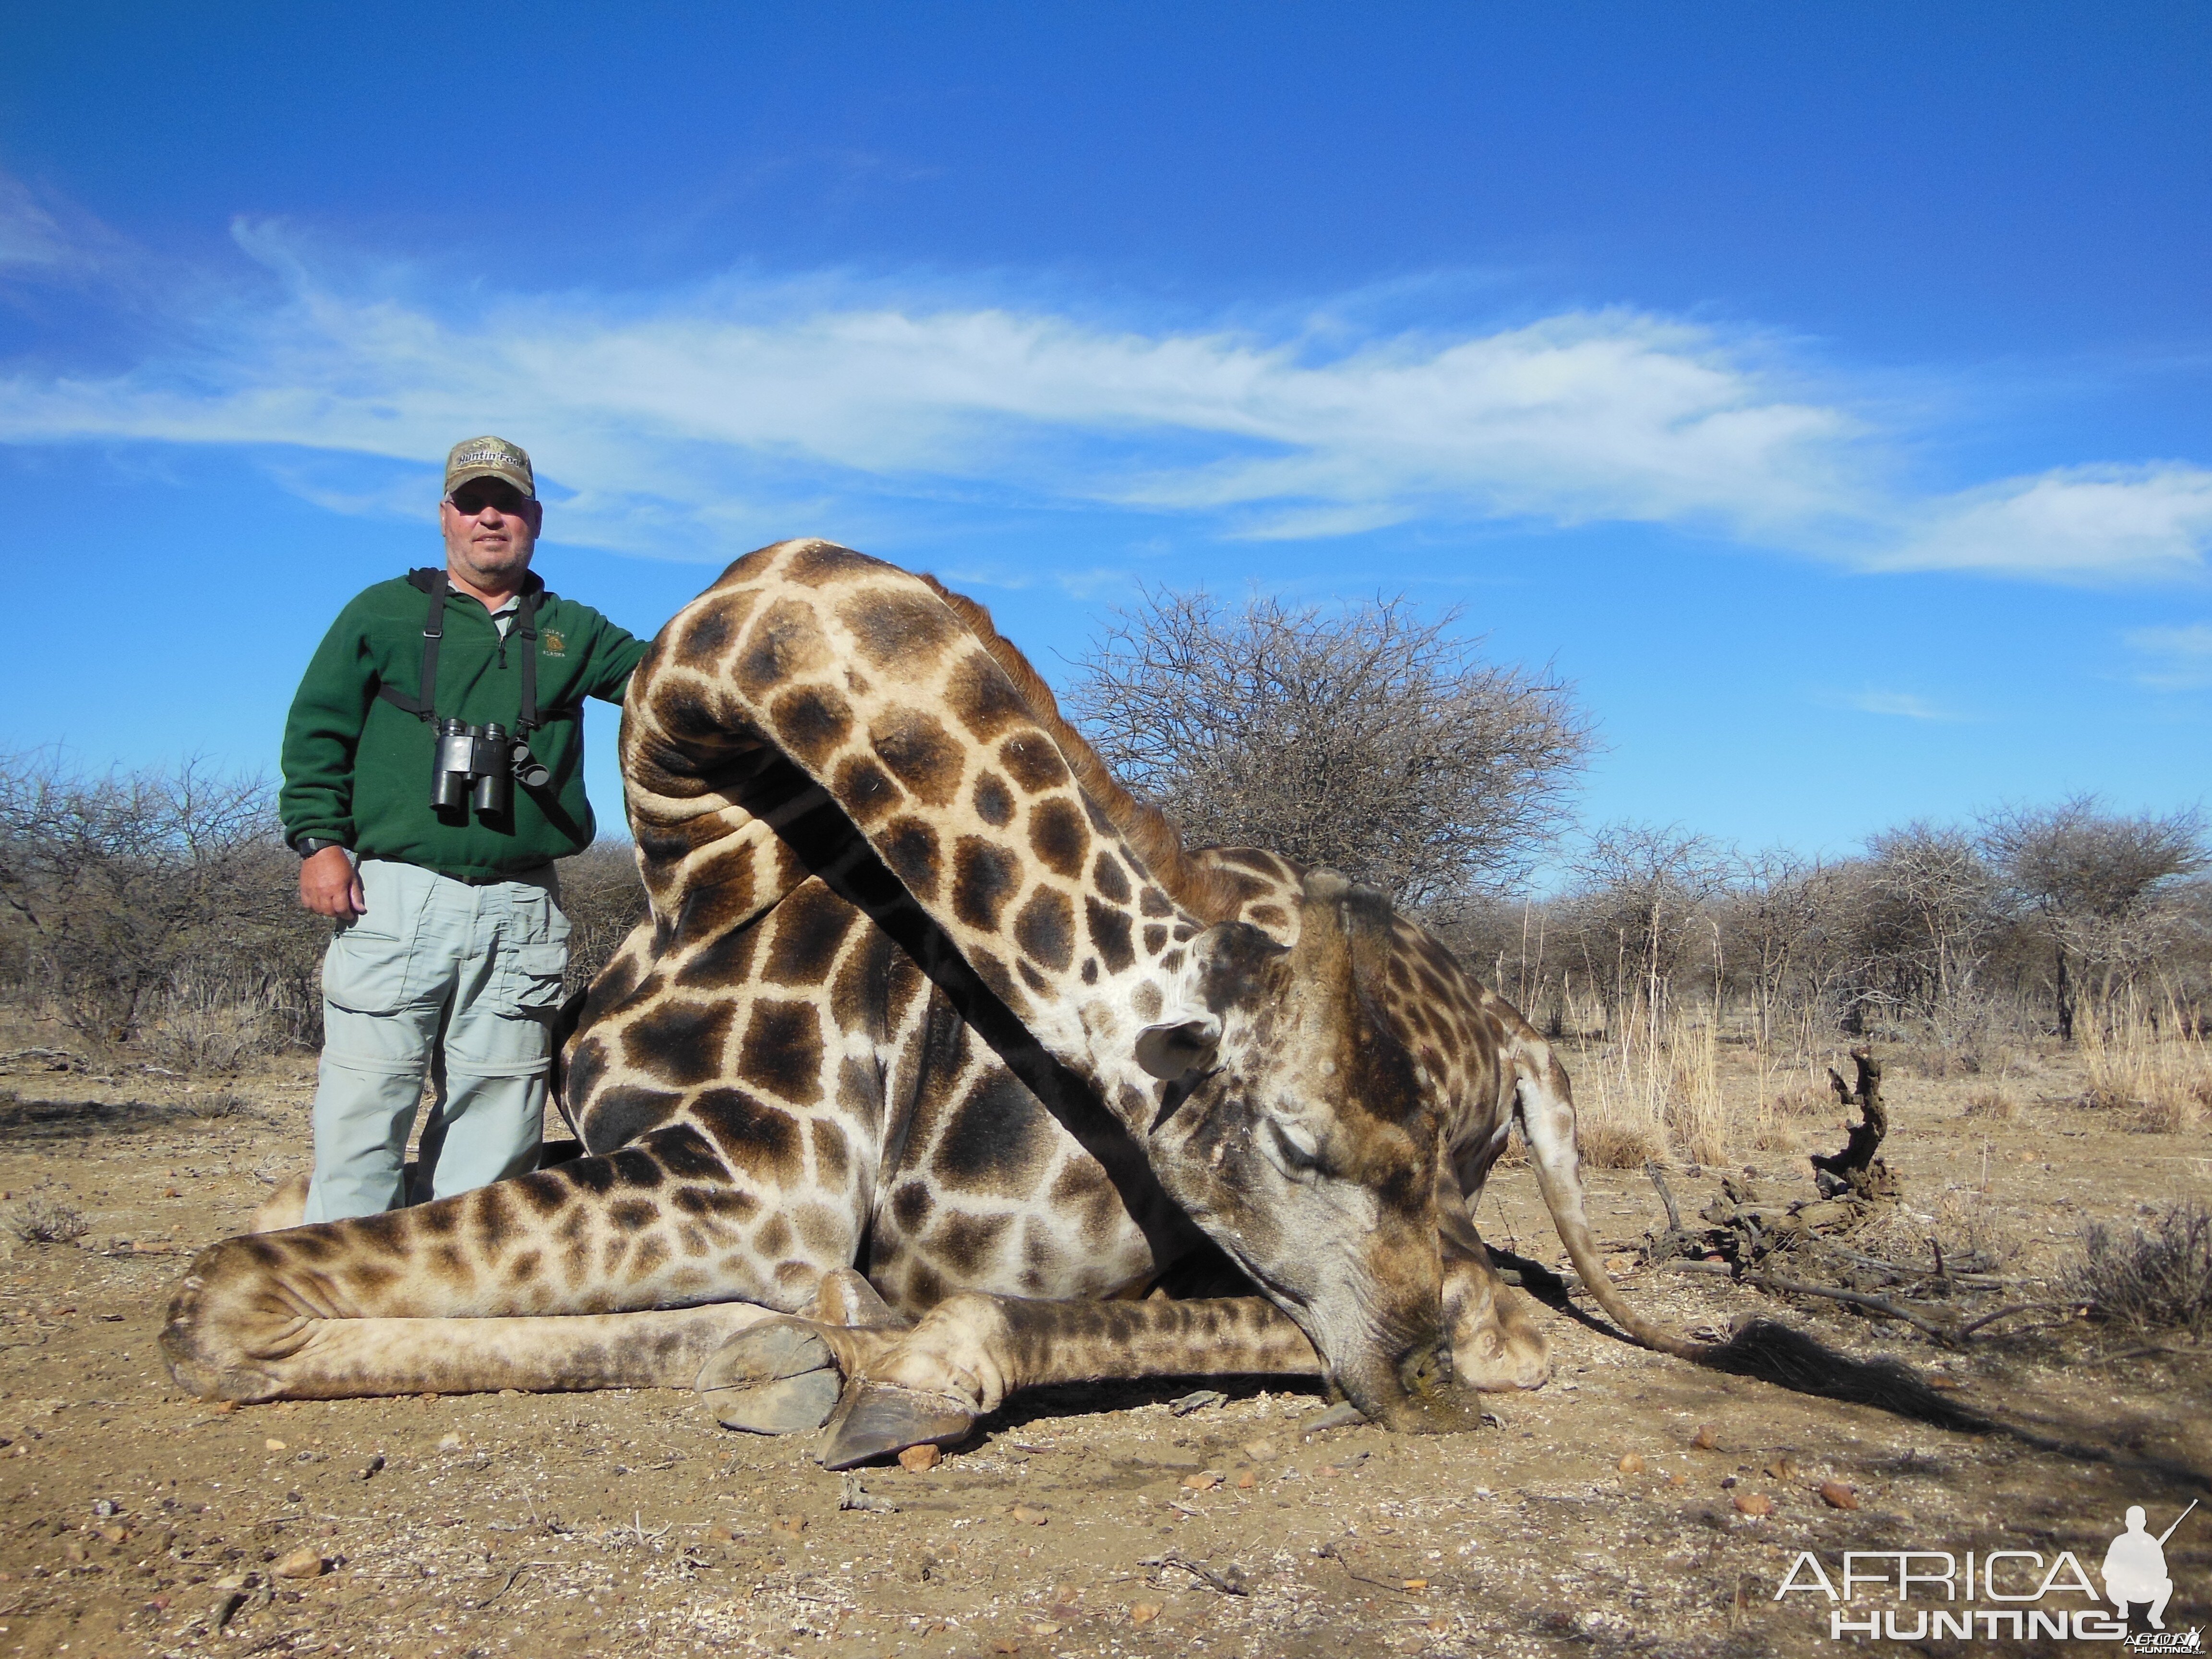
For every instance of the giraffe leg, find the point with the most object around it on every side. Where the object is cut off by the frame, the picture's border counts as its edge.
(784, 1376)
(971, 1350)
(601, 1273)
(1496, 1343)
(286, 1207)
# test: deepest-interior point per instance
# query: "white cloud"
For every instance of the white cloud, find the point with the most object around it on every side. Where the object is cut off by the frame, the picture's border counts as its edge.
(697, 422)
(2183, 654)
(29, 234)
(2140, 523)
(1902, 705)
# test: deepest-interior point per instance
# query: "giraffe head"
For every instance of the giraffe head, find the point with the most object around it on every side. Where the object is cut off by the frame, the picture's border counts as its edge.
(1295, 1131)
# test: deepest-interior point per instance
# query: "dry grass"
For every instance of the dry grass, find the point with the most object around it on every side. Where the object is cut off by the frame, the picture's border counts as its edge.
(1653, 1089)
(46, 1221)
(1993, 1104)
(1804, 1100)
(210, 1104)
(204, 1030)
(1612, 1145)
(2159, 1072)
(2149, 1279)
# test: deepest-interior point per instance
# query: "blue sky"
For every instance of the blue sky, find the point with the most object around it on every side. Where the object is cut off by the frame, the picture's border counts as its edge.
(1823, 390)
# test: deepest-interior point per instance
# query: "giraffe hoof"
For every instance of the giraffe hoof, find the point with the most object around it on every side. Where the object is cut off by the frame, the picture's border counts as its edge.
(875, 1420)
(777, 1378)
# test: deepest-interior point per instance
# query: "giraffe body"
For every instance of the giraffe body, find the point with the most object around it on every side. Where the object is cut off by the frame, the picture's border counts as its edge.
(926, 996)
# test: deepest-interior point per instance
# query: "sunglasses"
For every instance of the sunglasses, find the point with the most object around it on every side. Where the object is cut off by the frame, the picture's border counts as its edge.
(472, 498)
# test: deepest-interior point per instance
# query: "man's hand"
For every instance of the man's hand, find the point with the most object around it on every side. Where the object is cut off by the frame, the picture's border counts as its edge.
(330, 886)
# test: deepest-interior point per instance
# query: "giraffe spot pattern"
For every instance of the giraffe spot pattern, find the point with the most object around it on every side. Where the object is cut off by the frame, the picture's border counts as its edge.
(911, 849)
(920, 754)
(985, 875)
(680, 1042)
(1033, 763)
(1058, 837)
(1045, 930)
(781, 1051)
(995, 802)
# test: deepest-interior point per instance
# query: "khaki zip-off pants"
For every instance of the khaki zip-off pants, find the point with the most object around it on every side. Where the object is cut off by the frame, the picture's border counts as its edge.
(464, 980)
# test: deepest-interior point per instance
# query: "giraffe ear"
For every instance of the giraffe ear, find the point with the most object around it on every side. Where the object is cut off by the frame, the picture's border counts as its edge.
(1169, 1050)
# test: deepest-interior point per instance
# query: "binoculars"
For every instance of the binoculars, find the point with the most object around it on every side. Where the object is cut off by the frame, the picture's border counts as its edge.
(482, 762)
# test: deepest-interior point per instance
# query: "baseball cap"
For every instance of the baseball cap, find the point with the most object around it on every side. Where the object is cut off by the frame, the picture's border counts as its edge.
(488, 457)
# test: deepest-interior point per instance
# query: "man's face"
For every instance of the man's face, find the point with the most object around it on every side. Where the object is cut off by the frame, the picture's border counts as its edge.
(491, 529)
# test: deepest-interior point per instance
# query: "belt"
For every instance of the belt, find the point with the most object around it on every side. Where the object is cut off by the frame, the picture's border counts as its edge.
(474, 878)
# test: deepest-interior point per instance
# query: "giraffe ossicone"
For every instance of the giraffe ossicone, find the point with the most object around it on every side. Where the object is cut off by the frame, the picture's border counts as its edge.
(936, 1051)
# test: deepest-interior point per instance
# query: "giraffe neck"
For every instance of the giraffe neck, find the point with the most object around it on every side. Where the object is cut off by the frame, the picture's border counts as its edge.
(863, 677)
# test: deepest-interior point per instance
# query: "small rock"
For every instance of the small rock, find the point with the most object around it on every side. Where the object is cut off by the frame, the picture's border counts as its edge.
(113, 1535)
(273, 1444)
(105, 1507)
(1004, 1644)
(1247, 1481)
(446, 1442)
(1205, 1480)
(1028, 1516)
(1415, 1584)
(305, 1562)
(794, 1524)
(1754, 1503)
(1197, 1401)
(1632, 1464)
(1946, 1384)
(919, 1458)
(854, 1497)
(1040, 1627)
(226, 1405)
(1327, 1472)
(719, 1534)
(1838, 1496)
(1260, 1451)
(1729, 1482)
(1704, 1439)
(1143, 1613)
(1341, 1416)
(372, 1468)
(1780, 1468)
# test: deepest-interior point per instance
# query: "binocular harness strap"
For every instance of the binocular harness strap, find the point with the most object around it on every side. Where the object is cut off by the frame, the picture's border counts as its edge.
(433, 582)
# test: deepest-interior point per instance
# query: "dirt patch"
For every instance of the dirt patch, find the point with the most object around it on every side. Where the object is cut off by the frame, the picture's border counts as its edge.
(1638, 1502)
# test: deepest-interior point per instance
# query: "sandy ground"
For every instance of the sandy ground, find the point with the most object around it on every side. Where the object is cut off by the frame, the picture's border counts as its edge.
(134, 1520)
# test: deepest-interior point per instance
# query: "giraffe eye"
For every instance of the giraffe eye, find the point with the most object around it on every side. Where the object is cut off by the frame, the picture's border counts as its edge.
(1296, 1149)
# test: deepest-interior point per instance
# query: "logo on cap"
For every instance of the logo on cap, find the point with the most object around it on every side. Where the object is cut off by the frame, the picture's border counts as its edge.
(488, 457)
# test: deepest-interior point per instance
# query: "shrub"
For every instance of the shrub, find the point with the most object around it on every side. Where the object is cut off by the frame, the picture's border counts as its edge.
(2149, 1279)
(210, 1104)
(47, 1221)
(1618, 1146)
(1993, 1103)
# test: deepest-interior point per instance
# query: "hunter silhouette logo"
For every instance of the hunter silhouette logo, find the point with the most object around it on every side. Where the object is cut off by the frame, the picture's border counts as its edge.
(2135, 1568)
(2000, 1595)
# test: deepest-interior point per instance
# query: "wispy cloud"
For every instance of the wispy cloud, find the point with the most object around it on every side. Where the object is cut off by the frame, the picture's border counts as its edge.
(1901, 705)
(2150, 523)
(2180, 657)
(707, 418)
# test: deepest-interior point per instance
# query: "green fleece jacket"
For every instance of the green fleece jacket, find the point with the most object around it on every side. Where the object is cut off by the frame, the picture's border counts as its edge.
(358, 767)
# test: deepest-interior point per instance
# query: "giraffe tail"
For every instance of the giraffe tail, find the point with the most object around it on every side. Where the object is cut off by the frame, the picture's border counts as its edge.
(1546, 1109)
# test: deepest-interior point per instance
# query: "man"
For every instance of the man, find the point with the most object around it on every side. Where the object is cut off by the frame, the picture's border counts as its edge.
(2135, 1568)
(451, 944)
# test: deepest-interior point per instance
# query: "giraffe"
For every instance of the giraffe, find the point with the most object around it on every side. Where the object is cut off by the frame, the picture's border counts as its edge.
(910, 998)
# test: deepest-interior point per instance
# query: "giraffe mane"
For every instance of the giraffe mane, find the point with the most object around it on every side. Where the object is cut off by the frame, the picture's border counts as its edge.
(1206, 894)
